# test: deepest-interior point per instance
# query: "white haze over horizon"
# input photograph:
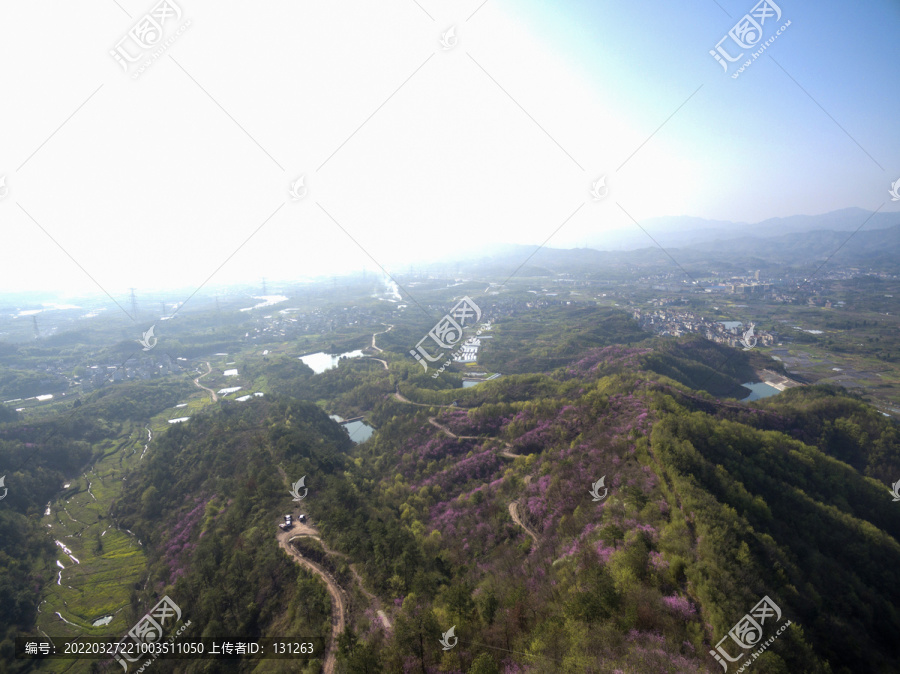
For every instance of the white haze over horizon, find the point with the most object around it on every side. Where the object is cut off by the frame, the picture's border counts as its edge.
(411, 153)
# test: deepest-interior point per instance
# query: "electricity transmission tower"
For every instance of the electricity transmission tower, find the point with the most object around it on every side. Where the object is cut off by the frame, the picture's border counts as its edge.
(133, 305)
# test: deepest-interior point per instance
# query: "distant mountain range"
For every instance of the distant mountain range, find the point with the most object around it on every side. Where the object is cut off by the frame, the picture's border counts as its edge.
(850, 237)
(687, 231)
(872, 247)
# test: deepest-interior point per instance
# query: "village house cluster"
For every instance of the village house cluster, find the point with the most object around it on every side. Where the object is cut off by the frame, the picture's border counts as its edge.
(468, 352)
(667, 322)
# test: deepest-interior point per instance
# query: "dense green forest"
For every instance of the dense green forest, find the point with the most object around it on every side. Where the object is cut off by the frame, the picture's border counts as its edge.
(207, 505)
(42, 456)
(711, 506)
(24, 384)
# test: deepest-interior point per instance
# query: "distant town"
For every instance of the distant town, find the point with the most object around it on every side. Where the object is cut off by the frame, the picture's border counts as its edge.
(671, 322)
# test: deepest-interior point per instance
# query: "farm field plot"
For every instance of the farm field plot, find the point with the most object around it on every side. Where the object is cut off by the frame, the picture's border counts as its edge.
(97, 564)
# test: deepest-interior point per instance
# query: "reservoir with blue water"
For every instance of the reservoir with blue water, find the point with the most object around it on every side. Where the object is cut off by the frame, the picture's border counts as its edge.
(358, 430)
(321, 361)
(759, 389)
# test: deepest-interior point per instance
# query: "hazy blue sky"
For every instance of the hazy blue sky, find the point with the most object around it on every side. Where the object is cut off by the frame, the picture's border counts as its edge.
(410, 150)
(762, 146)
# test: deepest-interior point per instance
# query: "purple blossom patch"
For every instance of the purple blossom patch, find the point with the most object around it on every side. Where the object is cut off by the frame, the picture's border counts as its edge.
(680, 606)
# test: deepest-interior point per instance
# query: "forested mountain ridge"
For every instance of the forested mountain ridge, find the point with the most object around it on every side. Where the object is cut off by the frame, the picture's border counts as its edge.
(207, 504)
(707, 513)
(711, 506)
(43, 455)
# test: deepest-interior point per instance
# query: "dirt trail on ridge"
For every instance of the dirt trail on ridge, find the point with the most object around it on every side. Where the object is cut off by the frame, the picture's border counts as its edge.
(514, 513)
(212, 394)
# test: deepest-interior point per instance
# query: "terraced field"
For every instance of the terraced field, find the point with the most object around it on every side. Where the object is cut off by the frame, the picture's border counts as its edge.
(97, 564)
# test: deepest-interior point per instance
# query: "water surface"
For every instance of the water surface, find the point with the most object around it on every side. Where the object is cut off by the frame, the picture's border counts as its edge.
(760, 389)
(321, 361)
(359, 431)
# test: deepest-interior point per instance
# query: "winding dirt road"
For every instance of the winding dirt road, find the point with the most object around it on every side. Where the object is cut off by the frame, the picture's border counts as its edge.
(514, 513)
(383, 362)
(508, 454)
(390, 327)
(514, 505)
(212, 393)
(399, 396)
(339, 599)
(338, 604)
(371, 597)
(433, 422)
